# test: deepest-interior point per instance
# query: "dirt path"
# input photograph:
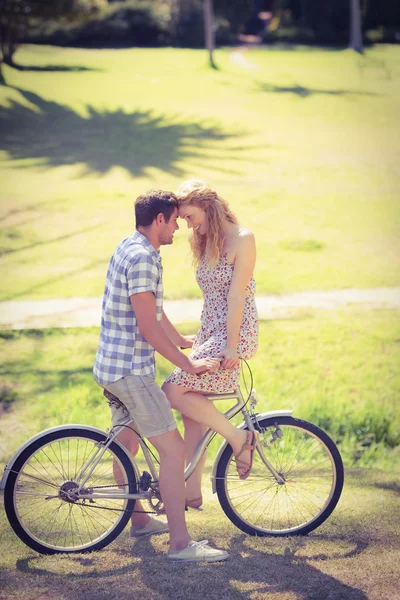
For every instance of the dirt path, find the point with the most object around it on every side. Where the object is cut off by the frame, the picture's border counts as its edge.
(239, 57)
(85, 312)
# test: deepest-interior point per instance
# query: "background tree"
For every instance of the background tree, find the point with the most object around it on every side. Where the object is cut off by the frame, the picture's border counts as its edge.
(355, 26)
(237, 12)
(13, 21)
(16, 16)
(209, 32)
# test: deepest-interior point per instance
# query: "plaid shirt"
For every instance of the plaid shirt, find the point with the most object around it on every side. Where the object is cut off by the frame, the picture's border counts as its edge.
(134, 267)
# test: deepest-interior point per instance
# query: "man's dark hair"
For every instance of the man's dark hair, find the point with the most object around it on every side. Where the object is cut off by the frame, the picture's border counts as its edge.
(151, 204)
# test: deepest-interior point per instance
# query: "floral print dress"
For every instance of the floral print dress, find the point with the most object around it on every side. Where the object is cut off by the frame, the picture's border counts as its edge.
(212, 336)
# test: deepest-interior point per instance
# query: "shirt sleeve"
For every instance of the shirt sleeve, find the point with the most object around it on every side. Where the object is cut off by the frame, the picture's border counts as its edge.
(141, 274)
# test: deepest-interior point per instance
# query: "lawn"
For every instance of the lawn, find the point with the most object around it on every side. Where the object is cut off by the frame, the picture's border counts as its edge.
(352, 556)
(304, 146)
(339, 370)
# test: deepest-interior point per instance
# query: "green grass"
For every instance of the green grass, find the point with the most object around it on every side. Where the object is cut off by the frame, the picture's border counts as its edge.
(352, 556)
(339, 370)
(305, 148)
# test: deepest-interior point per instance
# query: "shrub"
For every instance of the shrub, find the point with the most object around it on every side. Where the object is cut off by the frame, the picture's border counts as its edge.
(129, 23)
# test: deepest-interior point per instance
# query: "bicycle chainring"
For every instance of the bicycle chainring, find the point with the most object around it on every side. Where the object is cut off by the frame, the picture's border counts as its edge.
(156, 503)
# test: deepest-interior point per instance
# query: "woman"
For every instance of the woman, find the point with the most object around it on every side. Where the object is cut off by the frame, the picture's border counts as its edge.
(224, 254)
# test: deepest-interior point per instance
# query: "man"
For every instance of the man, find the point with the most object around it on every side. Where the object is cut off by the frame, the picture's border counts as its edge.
(133, 325)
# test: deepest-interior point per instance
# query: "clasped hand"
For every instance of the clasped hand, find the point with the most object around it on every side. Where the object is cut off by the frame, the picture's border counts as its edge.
(201, 365)
(230, 358)
(187, 341)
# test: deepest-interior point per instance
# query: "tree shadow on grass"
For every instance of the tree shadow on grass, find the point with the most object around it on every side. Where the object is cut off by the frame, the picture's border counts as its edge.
(30, 207)
(45, 380)
(89, 266)
(53, 68)
(60, 238)
(54, 135)
(305, 92)
(384, 480)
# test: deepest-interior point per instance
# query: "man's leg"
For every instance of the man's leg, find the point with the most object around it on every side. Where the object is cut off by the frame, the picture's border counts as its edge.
(150, 408)
(171, 449)
(129, 440)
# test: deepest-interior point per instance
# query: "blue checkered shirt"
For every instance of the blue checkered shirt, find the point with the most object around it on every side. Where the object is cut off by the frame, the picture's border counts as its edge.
(134, 267)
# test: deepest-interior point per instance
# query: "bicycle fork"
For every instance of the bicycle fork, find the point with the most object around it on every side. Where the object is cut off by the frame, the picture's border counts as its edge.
(253, 425)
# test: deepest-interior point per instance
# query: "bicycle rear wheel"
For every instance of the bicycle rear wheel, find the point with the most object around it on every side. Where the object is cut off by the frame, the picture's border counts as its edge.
(312, 471)
(40, 499)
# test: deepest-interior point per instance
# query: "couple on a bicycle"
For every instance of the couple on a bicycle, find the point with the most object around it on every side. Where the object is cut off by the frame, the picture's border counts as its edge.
(134, 325)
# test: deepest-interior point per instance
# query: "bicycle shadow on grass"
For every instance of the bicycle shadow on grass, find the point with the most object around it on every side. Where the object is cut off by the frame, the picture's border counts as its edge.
(278, 565)
(259, 566)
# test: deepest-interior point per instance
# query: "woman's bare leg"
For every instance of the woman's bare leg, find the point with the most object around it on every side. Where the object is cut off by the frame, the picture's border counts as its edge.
(198, 408)
(193, 433)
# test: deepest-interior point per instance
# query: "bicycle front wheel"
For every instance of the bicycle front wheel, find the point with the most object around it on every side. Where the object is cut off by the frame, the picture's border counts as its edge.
(41, 497)
(311, 480)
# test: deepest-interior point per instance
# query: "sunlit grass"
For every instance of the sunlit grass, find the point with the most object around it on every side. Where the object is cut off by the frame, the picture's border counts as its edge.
(338, 370)
(304, 147)
(352, 555)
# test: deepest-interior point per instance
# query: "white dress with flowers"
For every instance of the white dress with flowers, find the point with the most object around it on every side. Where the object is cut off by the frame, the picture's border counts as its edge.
(212, 335)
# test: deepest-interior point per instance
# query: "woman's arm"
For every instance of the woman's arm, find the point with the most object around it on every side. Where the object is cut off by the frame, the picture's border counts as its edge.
(144, 307)
(245, 260)
(181, 341)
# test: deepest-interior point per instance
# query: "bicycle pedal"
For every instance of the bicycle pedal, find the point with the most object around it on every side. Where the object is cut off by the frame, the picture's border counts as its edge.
(145, 481)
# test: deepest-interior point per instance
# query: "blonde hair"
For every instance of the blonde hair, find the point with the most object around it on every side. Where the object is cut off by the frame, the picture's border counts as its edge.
(198, 193)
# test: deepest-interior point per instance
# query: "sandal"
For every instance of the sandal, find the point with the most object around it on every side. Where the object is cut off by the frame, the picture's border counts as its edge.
(249, 444)
(195, 503)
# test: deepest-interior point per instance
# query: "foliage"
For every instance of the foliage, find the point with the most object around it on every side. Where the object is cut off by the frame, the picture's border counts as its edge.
(142, 23)
(17, 16)
(237, 12)
(188, 24)
(309, 21)
(129, 23)
(187, 21)
(377, 13)
(180, 22)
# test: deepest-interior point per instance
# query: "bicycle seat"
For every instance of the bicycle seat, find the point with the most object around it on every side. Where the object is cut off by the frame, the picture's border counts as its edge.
(113, 400)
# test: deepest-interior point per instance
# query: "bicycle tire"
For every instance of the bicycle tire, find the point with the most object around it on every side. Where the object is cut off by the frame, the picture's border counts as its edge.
(52, 524)
(312, 468)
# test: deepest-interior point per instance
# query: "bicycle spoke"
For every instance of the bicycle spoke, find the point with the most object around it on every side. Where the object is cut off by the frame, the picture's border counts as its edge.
(304, 489)
(73, 521)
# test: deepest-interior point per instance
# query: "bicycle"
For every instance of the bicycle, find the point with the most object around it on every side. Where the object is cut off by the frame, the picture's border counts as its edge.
(62, 494)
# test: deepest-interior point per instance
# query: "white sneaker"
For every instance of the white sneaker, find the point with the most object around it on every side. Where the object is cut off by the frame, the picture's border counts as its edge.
(198, 552)
(153, 527)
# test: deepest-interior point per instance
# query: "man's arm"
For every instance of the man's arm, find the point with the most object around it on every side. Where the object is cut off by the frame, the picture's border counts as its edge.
(144, 306)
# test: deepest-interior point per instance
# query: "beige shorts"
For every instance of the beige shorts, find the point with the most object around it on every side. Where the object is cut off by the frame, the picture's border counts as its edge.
(145, 402)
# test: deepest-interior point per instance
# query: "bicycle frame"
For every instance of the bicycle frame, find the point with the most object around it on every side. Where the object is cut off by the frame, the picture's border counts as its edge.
(249, 420)
(91, 464)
